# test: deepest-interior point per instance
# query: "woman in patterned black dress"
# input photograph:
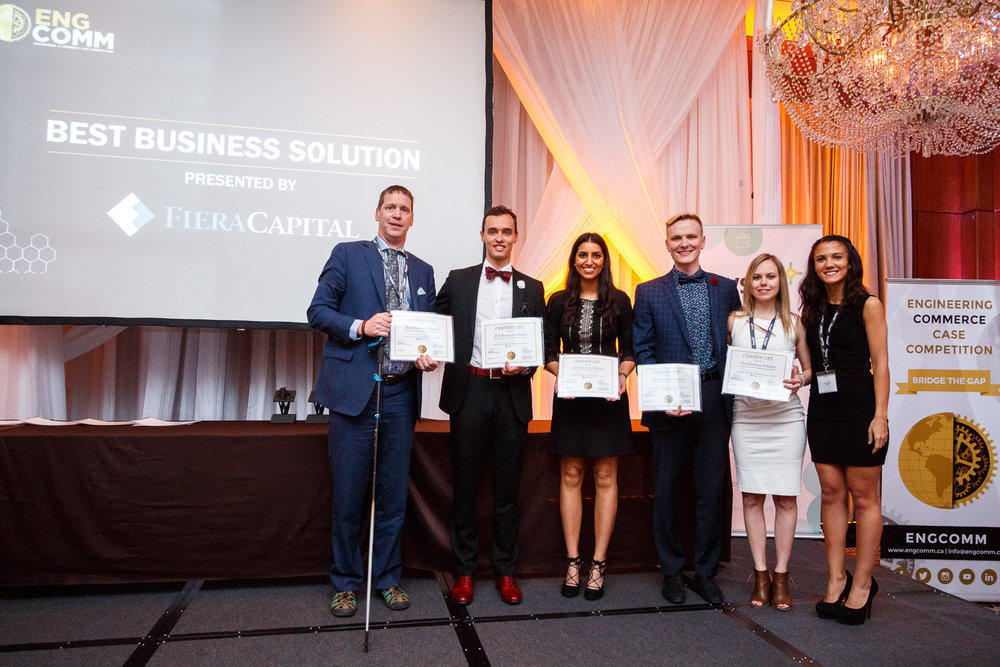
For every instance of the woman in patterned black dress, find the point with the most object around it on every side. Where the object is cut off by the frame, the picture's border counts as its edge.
(847, 425)
(590, 316)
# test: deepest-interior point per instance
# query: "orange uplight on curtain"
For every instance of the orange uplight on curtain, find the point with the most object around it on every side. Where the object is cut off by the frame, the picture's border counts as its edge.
(825, 185)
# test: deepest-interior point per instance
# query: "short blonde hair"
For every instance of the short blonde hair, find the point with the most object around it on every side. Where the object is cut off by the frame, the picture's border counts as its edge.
(684, 216)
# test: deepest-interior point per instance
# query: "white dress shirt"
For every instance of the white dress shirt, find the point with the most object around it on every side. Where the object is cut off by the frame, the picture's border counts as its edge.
(495, 301)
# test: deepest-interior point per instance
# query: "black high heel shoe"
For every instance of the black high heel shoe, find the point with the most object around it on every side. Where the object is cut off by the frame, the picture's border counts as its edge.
(569, 588)
(851, 616)
(596, 574)
(826, 609)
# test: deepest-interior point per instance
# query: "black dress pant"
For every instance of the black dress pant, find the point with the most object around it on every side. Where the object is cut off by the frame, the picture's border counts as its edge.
(486, 427)
(704, 437)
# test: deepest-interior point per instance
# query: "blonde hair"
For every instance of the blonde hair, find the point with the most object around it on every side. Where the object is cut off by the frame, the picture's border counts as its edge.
(684, 216)
(782, 302)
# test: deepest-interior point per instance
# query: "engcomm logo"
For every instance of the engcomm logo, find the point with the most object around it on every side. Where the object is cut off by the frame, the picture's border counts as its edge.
(15, 24)
(64, 29)
(947, 460)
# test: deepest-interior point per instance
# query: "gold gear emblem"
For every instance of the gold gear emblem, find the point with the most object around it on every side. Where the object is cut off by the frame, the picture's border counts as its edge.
(975, 461)
(947, 460)
(15, 24)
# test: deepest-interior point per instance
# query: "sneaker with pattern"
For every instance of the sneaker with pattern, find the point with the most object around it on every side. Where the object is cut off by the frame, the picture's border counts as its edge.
(395, 598)
(344, 604)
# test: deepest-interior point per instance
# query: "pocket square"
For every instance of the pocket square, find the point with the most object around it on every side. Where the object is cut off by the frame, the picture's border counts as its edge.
(420, 291)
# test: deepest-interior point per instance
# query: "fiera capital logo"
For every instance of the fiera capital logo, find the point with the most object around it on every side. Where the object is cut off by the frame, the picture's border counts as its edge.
(58, 28)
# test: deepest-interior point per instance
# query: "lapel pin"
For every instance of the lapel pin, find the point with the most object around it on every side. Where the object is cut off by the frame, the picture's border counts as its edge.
(520, 284)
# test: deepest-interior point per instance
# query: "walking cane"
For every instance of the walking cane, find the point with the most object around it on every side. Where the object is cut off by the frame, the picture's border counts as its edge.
(380, 357)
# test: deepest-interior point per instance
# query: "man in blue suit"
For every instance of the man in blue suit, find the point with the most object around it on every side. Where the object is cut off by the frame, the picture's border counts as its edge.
(681, 318)
(362, 282)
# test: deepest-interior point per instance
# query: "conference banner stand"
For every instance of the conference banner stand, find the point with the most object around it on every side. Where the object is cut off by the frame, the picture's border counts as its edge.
(941, 498)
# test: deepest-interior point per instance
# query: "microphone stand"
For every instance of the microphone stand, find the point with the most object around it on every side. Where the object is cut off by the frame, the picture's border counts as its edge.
(379, 362)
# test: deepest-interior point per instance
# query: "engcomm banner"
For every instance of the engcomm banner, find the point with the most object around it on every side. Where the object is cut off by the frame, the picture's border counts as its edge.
(941, 498)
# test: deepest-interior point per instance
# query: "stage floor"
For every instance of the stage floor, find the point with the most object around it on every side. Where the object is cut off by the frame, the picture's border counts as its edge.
(287, 622)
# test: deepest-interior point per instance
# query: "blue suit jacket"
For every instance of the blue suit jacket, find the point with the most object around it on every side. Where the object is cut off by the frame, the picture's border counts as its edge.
(352, 287)
(660, 332)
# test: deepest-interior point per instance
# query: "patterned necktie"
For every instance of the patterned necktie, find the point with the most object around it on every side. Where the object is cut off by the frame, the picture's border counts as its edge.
(390, 264)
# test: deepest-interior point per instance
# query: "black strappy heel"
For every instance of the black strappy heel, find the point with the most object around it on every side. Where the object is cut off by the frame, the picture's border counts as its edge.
(596, 574)
(569, 588)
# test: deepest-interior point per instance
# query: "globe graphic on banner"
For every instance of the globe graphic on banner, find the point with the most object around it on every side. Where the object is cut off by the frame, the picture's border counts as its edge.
(946, 460)
(926, 460)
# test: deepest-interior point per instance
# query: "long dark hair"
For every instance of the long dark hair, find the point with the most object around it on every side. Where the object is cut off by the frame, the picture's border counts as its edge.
(605, 286)
(812, 290)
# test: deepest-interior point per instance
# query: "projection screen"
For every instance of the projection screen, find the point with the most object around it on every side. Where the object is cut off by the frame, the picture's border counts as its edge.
(194, 162)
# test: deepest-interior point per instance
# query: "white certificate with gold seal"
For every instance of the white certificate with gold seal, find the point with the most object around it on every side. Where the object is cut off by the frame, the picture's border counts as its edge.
(415, 332)
(516, 341)
(664, 387)
(757, 373)
(587, 376)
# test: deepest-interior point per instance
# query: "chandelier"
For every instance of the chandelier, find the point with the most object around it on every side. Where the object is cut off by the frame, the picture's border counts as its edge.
(890, 75)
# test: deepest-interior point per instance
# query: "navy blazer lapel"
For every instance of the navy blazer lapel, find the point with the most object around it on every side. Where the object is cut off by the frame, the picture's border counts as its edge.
(674, 303)
(376, 266)
(713, 302)
(410, 280)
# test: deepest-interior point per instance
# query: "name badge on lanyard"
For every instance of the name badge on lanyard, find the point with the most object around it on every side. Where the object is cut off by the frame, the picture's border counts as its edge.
(826, 380)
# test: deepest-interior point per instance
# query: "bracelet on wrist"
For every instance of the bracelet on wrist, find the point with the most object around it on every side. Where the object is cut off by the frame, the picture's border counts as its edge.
(361, 329)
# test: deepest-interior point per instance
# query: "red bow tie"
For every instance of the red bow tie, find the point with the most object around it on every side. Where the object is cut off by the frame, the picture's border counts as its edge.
(492, 273)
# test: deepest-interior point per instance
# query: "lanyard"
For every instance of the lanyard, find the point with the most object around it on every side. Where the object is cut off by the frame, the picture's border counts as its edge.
(824, 341)
(767, 336)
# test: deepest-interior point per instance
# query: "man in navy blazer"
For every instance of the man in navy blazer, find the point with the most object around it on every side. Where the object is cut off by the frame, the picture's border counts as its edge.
(360, 283)
(681, 318)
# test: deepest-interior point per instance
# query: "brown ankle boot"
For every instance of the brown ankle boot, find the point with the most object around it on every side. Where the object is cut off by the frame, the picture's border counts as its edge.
(781, 596)
(761, 589)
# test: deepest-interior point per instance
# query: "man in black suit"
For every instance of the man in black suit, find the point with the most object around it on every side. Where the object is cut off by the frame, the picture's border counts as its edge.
(489, 408)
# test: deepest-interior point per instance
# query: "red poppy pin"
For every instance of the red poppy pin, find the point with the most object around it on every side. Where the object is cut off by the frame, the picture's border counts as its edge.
(714, 281)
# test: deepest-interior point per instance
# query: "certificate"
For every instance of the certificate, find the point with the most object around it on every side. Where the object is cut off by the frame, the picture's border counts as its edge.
(757, 373)
(415, 332)
(516, 341)
(587, 375)
(669, 387)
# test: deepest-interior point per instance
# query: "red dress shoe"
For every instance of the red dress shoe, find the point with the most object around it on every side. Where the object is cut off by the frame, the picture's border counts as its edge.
(509, 590)
(461, 592)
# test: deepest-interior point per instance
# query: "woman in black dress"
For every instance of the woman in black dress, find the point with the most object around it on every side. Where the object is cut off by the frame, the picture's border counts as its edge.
(847, 425)
(589, 317)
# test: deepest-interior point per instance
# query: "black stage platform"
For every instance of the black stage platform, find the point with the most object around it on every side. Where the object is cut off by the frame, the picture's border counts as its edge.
(287, 622)
(224, 500)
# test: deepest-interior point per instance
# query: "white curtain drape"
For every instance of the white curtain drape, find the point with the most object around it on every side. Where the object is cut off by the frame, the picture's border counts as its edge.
(766, 116)
(609, 93)
(32, 375)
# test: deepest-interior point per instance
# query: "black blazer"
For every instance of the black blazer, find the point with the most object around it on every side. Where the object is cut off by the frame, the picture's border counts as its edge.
(458, 298)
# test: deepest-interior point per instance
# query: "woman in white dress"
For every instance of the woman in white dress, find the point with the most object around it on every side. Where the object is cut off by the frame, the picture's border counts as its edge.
(769, 437)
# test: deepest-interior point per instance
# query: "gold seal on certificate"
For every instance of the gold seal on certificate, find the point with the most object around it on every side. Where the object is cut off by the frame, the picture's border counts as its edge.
(515, 340)
(757, 373)
(414, 332)
(664, 387)
(587, 376)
